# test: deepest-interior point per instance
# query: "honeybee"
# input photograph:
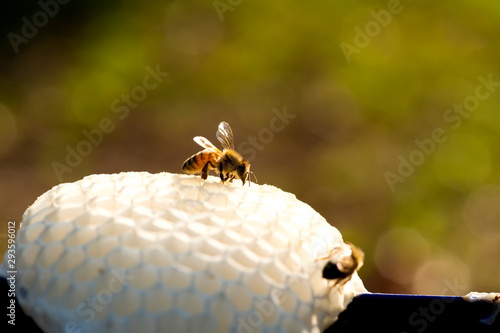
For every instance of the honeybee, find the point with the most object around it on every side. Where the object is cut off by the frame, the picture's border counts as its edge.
(341, 265)
(228, 163)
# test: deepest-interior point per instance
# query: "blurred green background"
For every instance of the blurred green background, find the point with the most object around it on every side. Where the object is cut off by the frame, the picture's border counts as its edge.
(334, 101)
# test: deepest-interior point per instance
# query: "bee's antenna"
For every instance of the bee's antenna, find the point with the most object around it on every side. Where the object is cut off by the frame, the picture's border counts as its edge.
(248, 177)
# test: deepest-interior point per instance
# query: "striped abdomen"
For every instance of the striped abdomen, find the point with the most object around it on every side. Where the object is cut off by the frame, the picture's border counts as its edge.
(197, 162)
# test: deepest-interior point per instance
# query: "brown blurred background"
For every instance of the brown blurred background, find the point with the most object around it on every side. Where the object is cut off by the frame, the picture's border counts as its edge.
(384, 118)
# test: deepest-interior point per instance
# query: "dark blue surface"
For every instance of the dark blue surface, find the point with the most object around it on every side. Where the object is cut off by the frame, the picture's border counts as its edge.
(417, 314)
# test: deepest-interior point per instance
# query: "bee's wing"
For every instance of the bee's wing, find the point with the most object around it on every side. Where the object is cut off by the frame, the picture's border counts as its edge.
(205, 143)
(225, 136)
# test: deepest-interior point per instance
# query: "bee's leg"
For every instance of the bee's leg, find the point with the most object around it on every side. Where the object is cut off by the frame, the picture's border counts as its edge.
(322, 258)
(223, 178)
(221, 174)
(205, 170)
(231, 179)
(333, 285)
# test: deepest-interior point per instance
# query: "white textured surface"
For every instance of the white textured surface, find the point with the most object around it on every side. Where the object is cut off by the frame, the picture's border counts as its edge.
(140, 252)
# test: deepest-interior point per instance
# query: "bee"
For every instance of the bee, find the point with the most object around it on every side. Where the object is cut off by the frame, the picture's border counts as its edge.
(228, 163)
(341, 265)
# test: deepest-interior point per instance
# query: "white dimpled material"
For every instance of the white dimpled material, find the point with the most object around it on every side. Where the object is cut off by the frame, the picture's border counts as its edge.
(140, 252)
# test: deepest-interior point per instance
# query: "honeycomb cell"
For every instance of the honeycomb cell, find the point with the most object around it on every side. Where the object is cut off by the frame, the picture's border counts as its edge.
(126, 302)
(301, 288)
(212, 250)
(318, 285)
(104, 188)
(195, 229)
(105, 202)
(131, 179)
(298, 221)
(56, 232)
(101, 246)
(269, 311)
(239, 296)
(27, 255)
(133, 191)
(320, 245)
(268, 212)
(190, 181)
(287, 300)
(123, 205)
(156, 184)
(88, 270)
(71, 259)
(139, 214)
(116, 227)
(176, 278)
(261, 248)
(201, 323)
(244, 258)
(217, 199)
(78, 295)
(208, 283)
(278, 202)
(112, 281)
(250, 229)
(222, 309)
(290, 324)
(158, 225)
(179, 242)
(79, 236)
(145, 276)
(157, 256)
(49, 254)
(57, 289)
(174, 321)
(191, 302)
(256, 283)
(30, 232)
(287, 261)
(228, 237)
(329, 237)
(174, 216)
(90, 219)
(68, 198)
(190, 205)
(286, 231)
(123, 257)
(65, 214)
(158, 299)
(193, 262)
(224, 213)
(273, 274)
(210, 221)
(138, 240)
(165, 195)
(252, 197)
(142, 322)
(305, 312)
(225, 270)
(276, 240)
(194, 192)
(42, 281)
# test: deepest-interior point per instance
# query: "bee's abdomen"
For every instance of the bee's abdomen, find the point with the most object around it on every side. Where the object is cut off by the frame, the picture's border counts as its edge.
(196, 162)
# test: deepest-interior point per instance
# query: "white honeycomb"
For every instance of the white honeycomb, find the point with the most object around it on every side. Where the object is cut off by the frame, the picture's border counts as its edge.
(141, 252)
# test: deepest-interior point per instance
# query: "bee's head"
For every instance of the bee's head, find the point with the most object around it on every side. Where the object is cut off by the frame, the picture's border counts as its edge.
(243, 171)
